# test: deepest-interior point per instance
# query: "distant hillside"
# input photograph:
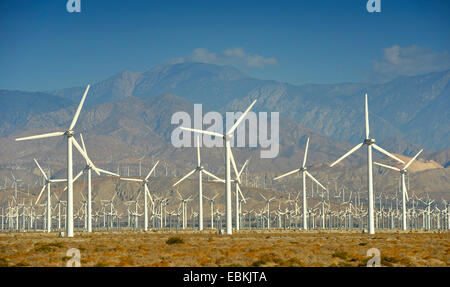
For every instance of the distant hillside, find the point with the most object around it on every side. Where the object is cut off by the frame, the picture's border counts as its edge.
(418, 165)
(17, 108)
(128, 116)
(442, 157)
(405, 112)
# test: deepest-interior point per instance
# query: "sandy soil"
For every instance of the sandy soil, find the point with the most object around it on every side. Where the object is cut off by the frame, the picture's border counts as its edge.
(244, 248)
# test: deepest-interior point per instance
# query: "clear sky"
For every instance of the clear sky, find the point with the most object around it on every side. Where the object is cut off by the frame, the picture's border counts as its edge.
(44, 47)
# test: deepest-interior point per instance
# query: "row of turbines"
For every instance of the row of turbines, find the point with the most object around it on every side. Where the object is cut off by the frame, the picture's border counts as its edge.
(173, 212)
(108, 217)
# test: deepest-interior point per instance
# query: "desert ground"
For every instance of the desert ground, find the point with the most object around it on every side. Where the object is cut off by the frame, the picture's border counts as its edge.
(244, 248)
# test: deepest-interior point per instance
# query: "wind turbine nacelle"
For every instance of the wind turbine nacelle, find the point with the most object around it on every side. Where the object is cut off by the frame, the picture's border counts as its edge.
(369, 141)
(69, 133)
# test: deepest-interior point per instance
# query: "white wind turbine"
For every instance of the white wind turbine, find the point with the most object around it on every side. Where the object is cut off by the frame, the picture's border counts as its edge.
(268, 208)
(370, 142)
(200, 169)
(48, 181)
(226, 139)
(14, 183)
(70, 141)
(144, 182)
(211, 202)
(304, 171)
(90, 166)
(403, 172)
(237, 181)
(183, 203)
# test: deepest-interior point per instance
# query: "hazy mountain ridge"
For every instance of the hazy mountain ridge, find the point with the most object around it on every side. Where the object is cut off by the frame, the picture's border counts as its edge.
(130, 112)
(408, 110)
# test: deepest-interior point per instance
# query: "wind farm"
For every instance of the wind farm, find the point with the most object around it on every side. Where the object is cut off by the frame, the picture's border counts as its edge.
(266, 146)
(153, 207)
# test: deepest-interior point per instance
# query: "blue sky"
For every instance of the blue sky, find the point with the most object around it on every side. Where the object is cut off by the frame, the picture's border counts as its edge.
(44, 47)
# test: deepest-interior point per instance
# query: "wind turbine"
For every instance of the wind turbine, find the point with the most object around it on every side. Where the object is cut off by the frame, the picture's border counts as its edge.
(140, 165)
(90, 166)
(211, 202)
(403, 172)
(14, 183)
(200, 169)
(48, 181)
(304, 171)
(226, 139)
(268, 208)
(70, 141)
(370, 142)
(237, 181)
(144, 182)
(184, 202)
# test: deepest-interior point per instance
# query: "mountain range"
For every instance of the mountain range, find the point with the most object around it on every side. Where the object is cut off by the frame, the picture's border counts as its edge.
(127, 116)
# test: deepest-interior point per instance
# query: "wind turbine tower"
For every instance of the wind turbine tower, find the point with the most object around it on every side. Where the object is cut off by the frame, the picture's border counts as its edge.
(369, 142)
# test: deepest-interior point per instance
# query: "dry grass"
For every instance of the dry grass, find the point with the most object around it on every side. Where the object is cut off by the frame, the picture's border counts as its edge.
(244, 248)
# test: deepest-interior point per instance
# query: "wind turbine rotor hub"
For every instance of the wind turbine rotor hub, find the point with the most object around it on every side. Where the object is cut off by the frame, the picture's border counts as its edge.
(403, 171)
(228, 137)
(369, 141)
(69, 133)
(303, 168)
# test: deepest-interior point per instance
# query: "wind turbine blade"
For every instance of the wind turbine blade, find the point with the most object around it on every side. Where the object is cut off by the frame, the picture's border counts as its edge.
(42, 190)
(404, 188)
(77, 146)
(137, 197)
(347, 154)
(236, 124)
(131, 179)
(82, 143)
(410, 162)
(82, 196)
(78, 175)
(263, 196)
(306, 153)
(58, 180)
(107, 172)
(75, 118)
(286, 174)
(148, 193)
(198, 151)
(202, 132)
(75, 178)
(42, 171)
(387, 153)
(386, 166)
(243, 167)
(184, 177)
(148, 175)
(234, 164)
(179, 195)
(315, 180)
(49, 135)
(240, 192)
(366, 113)
(212, 175)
